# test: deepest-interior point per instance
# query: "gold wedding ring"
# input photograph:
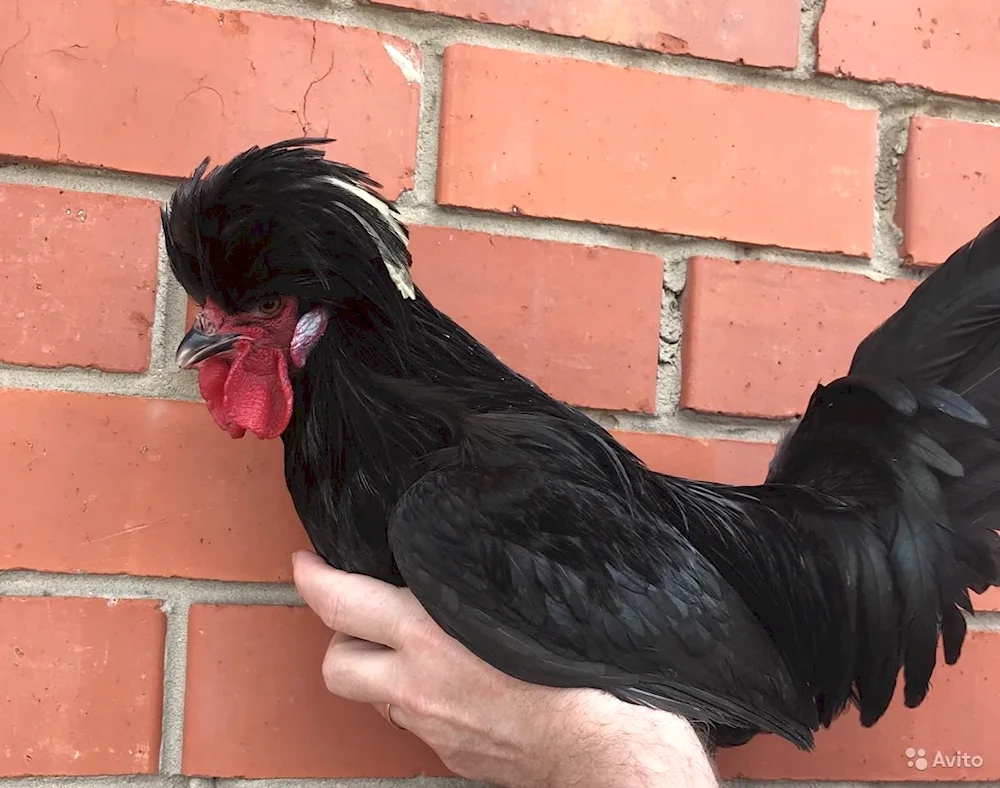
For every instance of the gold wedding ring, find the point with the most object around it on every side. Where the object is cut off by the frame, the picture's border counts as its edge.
(387, 713)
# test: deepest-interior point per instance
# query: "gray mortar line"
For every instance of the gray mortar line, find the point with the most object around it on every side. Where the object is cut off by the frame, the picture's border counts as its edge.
(983, 620)
(675, 272)
(807, 62)
(174, 687)
(668, 373)
(668, 369)
(170, 313)
(668, 384)
(176, 592)
(690, 424)
(893, 128)
(166, 385)
(428, 126)
(88, 179)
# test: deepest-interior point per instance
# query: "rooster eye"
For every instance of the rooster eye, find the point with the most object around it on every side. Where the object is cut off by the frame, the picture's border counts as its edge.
(269, 308)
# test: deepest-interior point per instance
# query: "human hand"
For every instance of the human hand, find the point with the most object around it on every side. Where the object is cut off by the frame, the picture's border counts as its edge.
(483, 724)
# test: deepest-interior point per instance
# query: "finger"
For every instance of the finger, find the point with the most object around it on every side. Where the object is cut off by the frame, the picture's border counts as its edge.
(355, 604)
(361, 671)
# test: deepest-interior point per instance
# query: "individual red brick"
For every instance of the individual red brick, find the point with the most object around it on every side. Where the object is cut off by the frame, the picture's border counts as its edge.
(662, 152)
(77, 278)
(755, 32)
(114, 485)
(582, 322)
(256, 705)
(959, 716)
(758, 337)
(152, 86)
(950, 186)
(725, 461)
(945, 45)
(80, 686)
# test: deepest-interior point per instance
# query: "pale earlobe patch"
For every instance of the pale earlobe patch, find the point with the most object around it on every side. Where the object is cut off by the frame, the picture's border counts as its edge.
(308, 331)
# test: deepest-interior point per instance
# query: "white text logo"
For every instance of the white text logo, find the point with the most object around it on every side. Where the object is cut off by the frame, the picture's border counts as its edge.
(917, 758)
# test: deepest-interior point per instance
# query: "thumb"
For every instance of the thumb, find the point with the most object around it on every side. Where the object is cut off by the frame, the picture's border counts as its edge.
(309, 574)
(355, 604)
(307, 558)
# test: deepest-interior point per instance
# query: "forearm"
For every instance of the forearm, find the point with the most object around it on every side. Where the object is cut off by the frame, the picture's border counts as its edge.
(625, 746)
(673, 757)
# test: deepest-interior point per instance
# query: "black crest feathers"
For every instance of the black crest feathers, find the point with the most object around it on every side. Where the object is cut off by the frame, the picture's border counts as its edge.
(284, 220)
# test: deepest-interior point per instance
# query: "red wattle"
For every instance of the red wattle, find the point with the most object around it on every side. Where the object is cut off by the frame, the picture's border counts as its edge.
(212, 384)
(253, 393)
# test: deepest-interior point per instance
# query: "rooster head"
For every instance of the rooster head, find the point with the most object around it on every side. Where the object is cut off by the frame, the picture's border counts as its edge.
(273, 246)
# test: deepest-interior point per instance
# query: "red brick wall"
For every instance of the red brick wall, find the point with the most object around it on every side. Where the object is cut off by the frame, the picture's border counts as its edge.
(679, 215)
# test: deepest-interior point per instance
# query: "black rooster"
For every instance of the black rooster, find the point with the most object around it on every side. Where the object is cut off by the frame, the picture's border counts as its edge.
(413, 455)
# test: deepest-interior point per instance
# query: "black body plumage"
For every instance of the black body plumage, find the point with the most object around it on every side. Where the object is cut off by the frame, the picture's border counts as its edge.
(532, 536)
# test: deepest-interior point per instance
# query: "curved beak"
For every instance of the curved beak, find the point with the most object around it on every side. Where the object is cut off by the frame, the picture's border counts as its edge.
(197, 346)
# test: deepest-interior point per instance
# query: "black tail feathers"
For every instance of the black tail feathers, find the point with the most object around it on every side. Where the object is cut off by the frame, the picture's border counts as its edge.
(911, 435)
(943, 345)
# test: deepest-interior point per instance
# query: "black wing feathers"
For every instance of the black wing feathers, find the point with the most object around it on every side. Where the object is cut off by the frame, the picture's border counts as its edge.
(534, 574)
